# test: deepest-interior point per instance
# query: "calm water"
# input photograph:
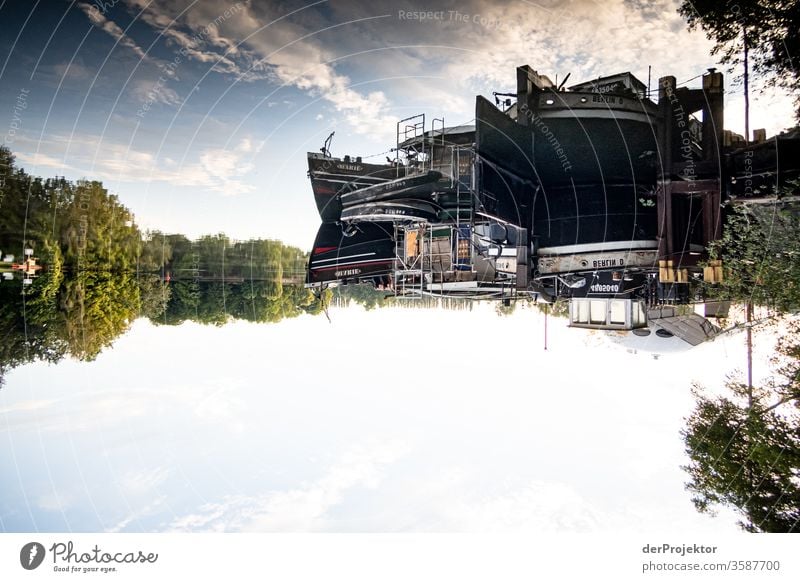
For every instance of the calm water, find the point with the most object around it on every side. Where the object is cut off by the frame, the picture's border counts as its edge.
(387, 420)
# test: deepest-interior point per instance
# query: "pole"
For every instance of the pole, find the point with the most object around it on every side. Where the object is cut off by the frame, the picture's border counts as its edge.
(746, 79)
(749, 316)
(546, 308)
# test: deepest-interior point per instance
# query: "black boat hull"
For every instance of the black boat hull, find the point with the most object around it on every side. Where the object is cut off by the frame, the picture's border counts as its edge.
(367, 252)
(391, 210)
(585, 215)
(331, 177)
(420, 186)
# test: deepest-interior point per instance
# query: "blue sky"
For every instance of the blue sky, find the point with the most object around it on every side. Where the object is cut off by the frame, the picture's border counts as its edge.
(199, 113)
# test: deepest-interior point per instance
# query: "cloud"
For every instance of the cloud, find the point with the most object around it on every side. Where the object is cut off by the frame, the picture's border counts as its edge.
(53, 501)
(197, 35)
(40, 160)
(305, 508)
(537, 506)
(147, 91)
(149, 509)
(369, 63)
(144, 482)
(256, 42)
(209, 404)
(221, 170)
(109, 26)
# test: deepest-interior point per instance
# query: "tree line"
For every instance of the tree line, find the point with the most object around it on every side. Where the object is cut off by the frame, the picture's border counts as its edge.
(101, 272)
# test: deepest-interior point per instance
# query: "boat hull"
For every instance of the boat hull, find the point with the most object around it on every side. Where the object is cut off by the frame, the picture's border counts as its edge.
(391, 210)
(368, 252)
(421, 186)
(330, 177)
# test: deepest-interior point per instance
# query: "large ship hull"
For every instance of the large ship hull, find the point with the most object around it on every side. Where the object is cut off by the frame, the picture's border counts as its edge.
(581, 179)
(365, 252)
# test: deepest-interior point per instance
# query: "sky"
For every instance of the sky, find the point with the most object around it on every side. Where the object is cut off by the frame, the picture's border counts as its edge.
(311, 426)
(198, 114)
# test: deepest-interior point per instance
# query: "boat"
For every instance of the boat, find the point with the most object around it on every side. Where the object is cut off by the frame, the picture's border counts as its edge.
(598, 193)
(417, 153)
(357, 253)
(421, 186)
(330, 177)
(576, 167)
(404, 210)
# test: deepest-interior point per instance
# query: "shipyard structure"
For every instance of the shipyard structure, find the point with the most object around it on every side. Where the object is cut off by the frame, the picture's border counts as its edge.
(599, 193)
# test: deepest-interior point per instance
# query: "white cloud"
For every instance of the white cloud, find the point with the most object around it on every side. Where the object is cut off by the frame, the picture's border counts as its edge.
(98, 19)
(442, 63)
(40, 160)
(274, 48)
(148, 509)
(220, 170)
(148, 91)
(144, 482)
(304, 508)
(55, 501)
(538, 506)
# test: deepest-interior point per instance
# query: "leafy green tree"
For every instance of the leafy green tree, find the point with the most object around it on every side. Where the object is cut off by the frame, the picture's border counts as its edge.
(760, 251)
(559, 308)
(94, 309)
(318, 303)
(28, 328)
(101, 272)
(155, 251)
(744, 447)
(771, 27)
(154, 295)
(364, 294)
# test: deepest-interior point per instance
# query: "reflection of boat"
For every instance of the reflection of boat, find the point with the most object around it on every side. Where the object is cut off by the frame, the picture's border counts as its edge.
(364, 251)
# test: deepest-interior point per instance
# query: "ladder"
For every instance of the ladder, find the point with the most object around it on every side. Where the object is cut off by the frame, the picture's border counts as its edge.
(409, 273)
(411, 128)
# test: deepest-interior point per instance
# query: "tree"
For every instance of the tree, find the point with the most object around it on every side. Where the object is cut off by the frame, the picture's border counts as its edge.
(761, 254)
(770, 28)
(744, 447)
(101, 272)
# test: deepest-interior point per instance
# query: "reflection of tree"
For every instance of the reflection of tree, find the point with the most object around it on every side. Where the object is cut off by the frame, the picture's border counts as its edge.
(744, 447)
(216, 303)
(28, 328)
(95, 308)
(101, 272)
